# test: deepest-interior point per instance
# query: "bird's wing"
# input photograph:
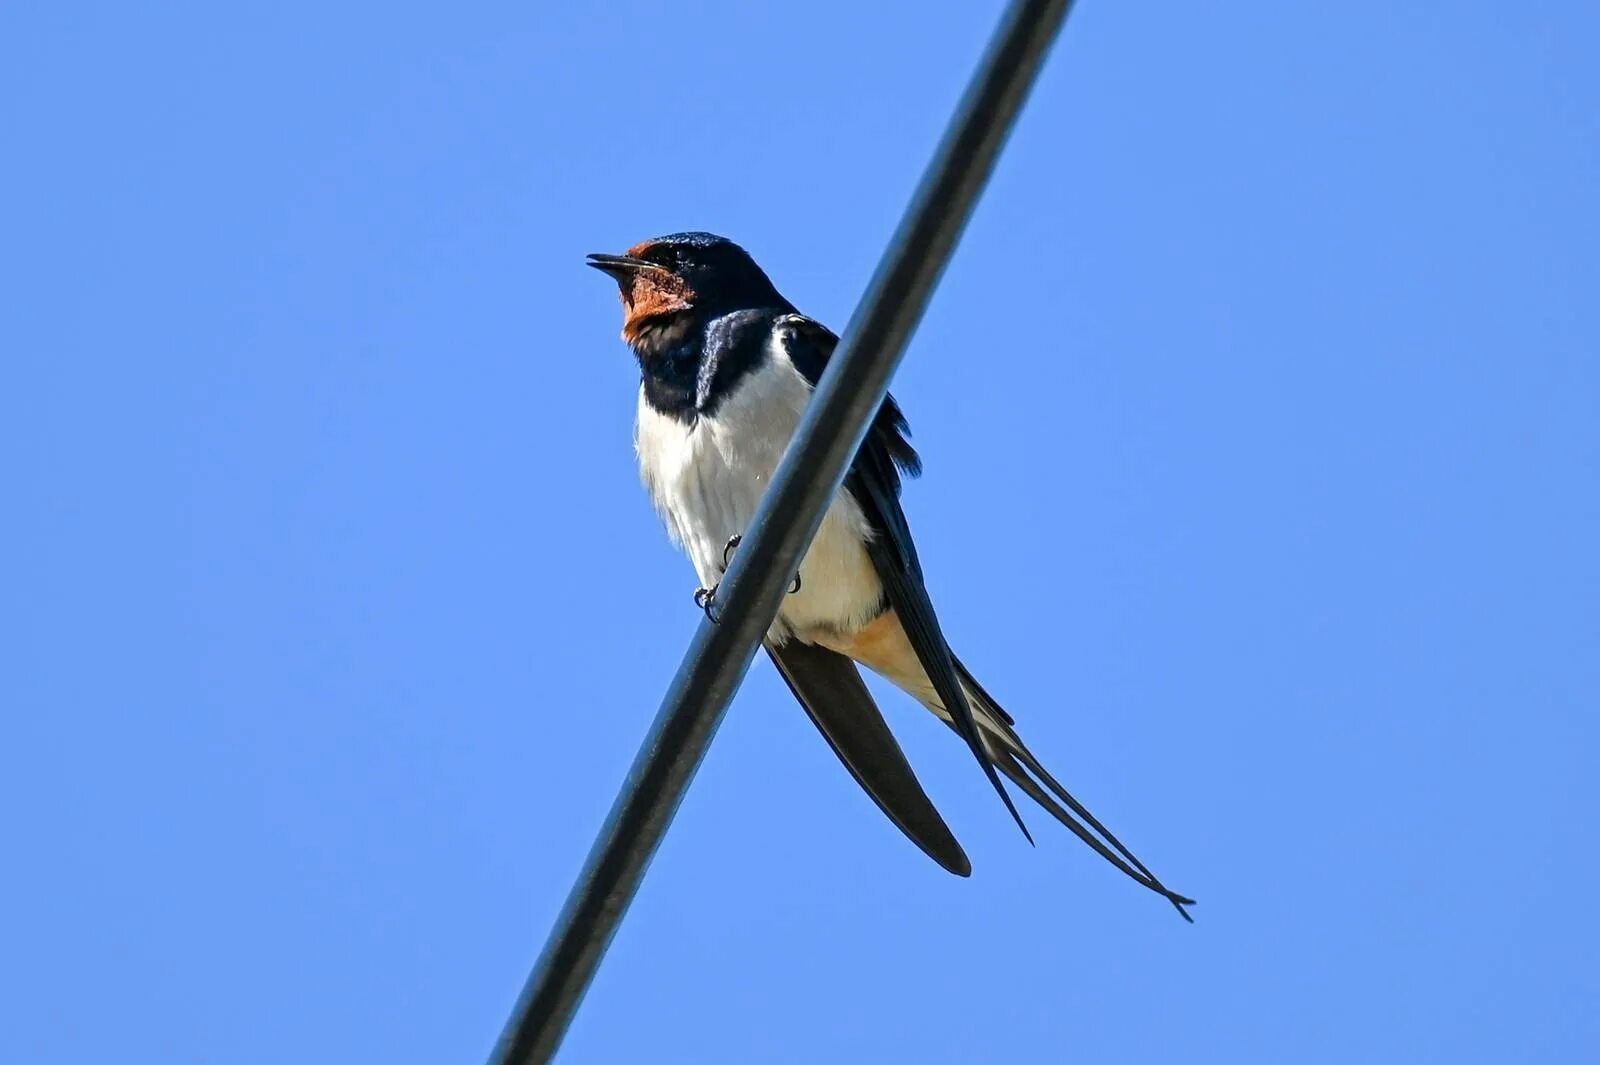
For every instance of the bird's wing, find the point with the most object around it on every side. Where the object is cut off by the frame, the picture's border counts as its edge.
(874, 482)
(908, 646)
(828, 686)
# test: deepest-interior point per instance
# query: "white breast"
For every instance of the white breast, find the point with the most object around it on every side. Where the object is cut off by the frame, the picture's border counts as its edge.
(706, 479)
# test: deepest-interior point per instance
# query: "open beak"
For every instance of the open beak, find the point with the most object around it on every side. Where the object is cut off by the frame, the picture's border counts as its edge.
(620, 267)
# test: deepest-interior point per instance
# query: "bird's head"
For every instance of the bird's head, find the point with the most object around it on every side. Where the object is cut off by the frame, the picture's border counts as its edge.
(668, 282)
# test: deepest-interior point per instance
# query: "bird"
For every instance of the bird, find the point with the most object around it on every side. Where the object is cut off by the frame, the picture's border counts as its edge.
(727, 366)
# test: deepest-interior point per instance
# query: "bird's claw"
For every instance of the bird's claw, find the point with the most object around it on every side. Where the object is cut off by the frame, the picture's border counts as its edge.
(727, 552)
(704, 598)
(727, 549)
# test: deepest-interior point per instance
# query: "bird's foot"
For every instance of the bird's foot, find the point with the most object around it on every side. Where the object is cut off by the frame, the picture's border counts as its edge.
(728, 548)
(704, 598)
(727, 556)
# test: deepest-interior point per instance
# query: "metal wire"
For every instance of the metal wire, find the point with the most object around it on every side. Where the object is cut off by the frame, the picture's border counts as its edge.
(834, 425)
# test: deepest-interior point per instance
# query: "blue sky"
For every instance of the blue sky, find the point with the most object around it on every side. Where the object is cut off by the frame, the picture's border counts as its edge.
(1259, 415)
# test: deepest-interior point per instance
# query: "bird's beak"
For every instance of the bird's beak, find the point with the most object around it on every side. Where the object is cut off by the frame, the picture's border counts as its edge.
(620, 267)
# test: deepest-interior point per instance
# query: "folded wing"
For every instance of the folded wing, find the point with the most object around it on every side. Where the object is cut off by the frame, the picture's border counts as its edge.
(831, 690)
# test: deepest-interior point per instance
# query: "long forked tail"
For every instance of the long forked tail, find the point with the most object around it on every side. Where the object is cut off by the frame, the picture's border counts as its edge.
(1012, 757)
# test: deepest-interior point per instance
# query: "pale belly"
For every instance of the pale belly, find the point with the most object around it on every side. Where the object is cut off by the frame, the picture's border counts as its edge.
(706, 479)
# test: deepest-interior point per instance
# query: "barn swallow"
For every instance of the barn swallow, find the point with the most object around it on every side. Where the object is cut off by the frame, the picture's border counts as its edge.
(727, 366)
